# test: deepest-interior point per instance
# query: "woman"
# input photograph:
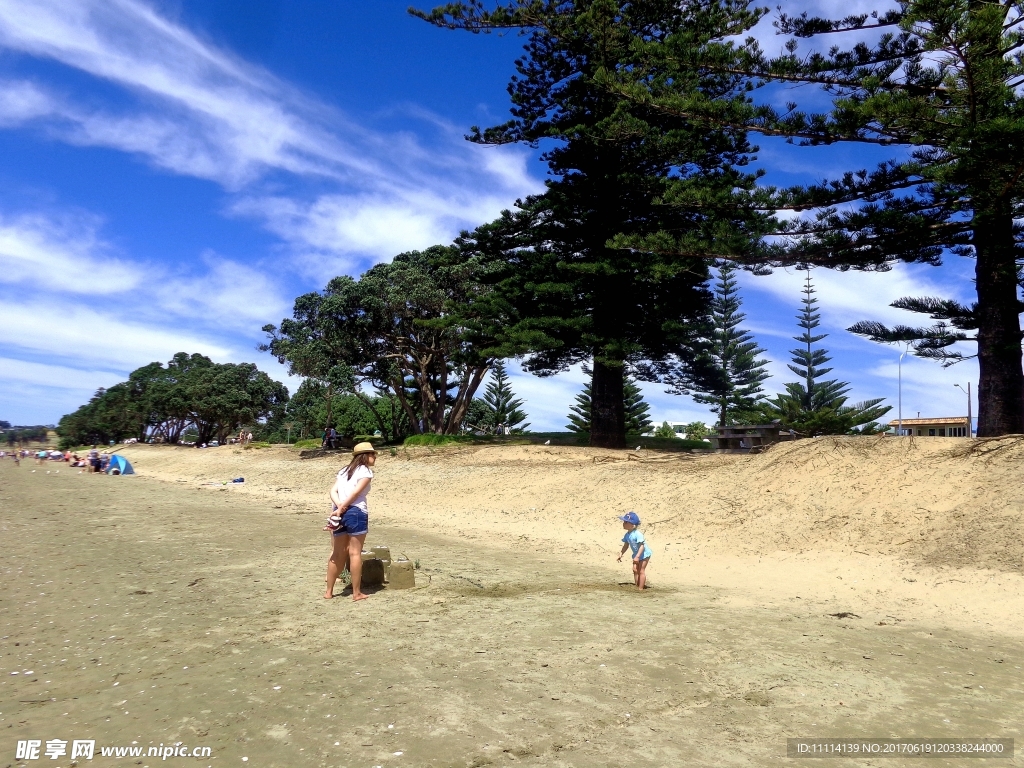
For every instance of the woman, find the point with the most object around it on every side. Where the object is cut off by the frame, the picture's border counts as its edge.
(349, 497)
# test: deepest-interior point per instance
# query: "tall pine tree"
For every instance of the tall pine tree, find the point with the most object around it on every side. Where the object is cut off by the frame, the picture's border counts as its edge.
(636, 409)
(503, 407)
(941, 79)
(812, 406)
(735, 389)
(578, 296)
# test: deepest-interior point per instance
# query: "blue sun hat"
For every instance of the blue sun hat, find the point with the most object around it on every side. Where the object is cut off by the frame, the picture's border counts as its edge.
(630, 517)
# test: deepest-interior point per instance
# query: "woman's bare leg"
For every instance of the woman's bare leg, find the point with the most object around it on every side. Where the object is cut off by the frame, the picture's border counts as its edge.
(355, 564)
(336, 563)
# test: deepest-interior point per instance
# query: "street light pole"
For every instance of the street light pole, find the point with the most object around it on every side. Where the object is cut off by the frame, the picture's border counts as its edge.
(899, 411)
(970, 422)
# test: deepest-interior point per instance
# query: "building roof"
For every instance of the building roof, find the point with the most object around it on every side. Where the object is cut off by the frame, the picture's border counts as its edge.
(926, 422)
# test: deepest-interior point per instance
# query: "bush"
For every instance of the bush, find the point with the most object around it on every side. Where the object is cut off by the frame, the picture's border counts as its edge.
(308, 443)
(665, 430)
(438, 439)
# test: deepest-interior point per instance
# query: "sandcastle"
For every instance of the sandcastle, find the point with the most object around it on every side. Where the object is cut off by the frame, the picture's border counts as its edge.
(379, 570)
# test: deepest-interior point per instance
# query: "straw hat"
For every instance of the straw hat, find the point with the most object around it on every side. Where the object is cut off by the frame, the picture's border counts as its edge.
(363, 448)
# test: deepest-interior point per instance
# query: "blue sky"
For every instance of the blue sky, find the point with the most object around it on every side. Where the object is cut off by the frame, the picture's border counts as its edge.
(173, 174)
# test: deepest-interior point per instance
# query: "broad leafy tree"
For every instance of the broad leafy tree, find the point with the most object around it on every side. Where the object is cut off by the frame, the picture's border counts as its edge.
(413, 328)
(162, 402)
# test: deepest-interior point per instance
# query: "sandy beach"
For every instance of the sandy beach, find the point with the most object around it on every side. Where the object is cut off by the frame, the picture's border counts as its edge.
(835, 587)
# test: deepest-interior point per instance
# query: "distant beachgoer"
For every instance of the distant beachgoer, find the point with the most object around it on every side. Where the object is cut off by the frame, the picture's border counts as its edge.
(635, 541)
(349, 522)
(248, 438)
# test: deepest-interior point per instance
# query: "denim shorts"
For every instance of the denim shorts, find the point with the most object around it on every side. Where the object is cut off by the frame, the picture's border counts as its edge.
(355, 522)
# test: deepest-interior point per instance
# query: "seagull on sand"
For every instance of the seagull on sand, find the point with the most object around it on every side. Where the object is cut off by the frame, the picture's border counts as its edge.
(547, 442)
(639, 447)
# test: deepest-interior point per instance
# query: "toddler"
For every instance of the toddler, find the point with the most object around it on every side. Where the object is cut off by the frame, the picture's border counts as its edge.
(635, 541)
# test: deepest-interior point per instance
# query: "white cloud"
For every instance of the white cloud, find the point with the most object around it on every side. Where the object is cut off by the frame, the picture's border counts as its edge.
(846, 297)
(197, 110)
(22, 101)
(28, 372)
(82, 337)
(60, 255)
(225, 295)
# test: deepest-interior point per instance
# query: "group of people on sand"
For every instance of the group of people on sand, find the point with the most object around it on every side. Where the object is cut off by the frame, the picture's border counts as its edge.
(96, 461)
(349, 524)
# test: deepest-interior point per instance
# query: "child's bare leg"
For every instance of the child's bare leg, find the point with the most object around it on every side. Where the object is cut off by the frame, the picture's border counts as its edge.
(355, 565)
(641, 577)
(636, 573)
(336, 563)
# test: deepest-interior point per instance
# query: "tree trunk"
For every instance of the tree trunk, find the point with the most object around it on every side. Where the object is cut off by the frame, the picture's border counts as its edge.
(607, 406)
(467, 388)
(380, 419)
(1000, 376)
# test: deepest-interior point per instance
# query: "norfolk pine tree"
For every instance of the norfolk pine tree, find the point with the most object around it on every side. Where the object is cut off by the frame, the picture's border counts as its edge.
(812, 406)
(576, 295)
(943, 81)
(638, 412)
(735, 390)
(503, 407)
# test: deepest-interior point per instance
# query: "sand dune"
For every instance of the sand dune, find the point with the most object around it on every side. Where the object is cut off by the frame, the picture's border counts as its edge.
(931, 526)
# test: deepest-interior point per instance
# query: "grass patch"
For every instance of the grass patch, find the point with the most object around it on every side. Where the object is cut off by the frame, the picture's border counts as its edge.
(310, 443)
(434, 440)
(556, 438)
(257, 445)
(632, 441)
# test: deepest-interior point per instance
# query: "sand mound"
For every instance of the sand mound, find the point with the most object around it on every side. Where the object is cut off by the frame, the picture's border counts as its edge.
(935, 501)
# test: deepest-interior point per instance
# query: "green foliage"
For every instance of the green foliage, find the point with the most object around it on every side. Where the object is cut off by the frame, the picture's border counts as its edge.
(814, 407)
(416, 328)
(191, 392)
(733, 389)
(306, 444)
(20, 435)
(665, 430)
(636, 409)
(436, 440)
(351, 414)
(941, 81)
(500, 405)
(571, 267)
(696, 430)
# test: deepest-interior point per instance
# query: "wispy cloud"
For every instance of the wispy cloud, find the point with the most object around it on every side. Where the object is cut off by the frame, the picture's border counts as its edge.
(63, 255)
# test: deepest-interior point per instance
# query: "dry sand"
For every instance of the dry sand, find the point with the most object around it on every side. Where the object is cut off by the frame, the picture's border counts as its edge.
(524, 641)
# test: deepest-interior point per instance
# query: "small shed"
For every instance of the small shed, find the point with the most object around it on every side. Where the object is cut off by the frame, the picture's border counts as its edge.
(944, 426)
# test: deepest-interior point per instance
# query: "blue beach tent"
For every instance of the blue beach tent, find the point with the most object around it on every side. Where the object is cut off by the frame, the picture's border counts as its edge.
(119, 466)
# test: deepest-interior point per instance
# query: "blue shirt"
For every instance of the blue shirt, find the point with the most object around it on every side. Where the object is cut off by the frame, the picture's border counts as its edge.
(634, 538)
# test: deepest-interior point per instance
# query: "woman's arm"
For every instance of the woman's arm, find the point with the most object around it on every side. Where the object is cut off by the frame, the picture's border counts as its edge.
(344, 504)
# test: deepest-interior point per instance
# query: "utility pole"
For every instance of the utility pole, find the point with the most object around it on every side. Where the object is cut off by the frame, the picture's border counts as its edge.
(969, 421)
(899, 411)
